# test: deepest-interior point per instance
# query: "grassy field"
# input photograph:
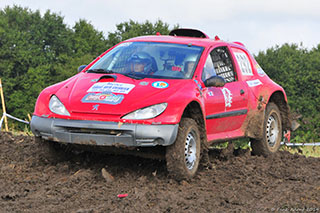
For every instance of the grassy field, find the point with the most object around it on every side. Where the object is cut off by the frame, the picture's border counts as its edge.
(308, 151)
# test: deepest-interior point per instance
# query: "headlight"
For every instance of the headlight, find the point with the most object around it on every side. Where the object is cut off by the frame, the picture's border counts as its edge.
(57, 107)
(146, 113)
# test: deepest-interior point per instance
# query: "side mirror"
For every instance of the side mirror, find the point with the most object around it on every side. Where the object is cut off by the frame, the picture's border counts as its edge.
(80, 68)
(215, 81)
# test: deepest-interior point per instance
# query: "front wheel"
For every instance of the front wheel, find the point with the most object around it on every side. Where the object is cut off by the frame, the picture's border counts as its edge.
(183, 156)
(272, 133)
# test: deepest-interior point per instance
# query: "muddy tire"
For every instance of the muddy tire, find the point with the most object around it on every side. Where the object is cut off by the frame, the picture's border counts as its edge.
(183, 156)
(272, 133)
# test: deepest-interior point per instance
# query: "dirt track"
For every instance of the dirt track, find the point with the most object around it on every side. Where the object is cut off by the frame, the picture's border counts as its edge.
(239, 182)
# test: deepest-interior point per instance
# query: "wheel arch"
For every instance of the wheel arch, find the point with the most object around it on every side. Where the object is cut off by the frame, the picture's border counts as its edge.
(193, 110)
(279, 98)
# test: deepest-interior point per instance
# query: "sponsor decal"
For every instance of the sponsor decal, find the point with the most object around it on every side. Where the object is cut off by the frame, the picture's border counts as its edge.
(227, 97)
(254, 83)
(244, 63)
(160, 84)
(210, 93)
(111, 87)
(143, 83)
(260, 71)
(198, 84)
(94, 80)
(103, 98)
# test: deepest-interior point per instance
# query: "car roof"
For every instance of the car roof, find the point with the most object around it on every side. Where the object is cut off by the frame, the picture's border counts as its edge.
(204, 42)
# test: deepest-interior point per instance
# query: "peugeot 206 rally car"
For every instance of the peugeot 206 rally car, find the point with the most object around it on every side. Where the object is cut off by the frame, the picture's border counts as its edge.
(183, 92)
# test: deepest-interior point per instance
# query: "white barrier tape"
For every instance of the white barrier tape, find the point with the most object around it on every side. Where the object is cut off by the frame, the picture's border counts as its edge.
(297, 144)
(10, 116)
(301, 144)
(17, 119)
(1, 121)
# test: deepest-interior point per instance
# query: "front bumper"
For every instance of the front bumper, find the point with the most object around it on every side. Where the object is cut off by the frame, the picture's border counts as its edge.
(102, 133)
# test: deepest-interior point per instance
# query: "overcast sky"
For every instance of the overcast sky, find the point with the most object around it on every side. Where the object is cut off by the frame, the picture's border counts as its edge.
(259, 24)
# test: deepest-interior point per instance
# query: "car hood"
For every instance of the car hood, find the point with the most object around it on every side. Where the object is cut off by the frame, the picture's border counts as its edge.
(115, 94)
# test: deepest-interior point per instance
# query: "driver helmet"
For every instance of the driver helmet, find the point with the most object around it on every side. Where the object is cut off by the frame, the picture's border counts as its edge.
(141, 62)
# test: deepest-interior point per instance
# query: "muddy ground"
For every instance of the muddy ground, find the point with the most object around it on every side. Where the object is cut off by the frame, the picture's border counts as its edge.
(239, 182)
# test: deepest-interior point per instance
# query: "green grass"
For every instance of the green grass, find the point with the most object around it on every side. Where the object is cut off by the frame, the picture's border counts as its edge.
(308, 151)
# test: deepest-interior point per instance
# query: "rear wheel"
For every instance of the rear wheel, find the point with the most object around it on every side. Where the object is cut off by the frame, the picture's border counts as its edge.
(272, 133)
(183, 156)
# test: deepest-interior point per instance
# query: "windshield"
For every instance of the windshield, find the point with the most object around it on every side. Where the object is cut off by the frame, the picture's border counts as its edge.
(150, 60)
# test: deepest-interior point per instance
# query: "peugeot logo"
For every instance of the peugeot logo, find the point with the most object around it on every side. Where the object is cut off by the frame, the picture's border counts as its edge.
(95, 107)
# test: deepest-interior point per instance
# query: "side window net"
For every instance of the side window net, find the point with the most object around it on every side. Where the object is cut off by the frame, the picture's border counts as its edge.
(223, 64)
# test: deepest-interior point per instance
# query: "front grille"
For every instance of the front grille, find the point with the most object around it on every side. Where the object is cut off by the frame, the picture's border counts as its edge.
(94, 131)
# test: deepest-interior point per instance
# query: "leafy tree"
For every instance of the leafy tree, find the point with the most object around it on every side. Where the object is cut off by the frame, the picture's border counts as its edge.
(297, 70)
(37, 51)
(30, 42)
(87, 40)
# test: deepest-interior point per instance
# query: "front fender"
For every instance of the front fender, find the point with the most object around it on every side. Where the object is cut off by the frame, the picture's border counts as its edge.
(42, 103)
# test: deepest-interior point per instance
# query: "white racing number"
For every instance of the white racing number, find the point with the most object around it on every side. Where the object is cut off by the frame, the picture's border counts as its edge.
(244, 63)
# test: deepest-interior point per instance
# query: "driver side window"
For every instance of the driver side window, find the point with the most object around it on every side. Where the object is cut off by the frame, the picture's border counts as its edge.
(219, 63)
(208, 69)
(222, 63)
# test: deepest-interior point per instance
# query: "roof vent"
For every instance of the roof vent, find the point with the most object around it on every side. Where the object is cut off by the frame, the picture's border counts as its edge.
(188, 33)
(107, 78)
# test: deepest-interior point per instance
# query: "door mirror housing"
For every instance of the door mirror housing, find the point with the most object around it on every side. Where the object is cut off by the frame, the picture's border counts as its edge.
(81, 67)
(215, 81)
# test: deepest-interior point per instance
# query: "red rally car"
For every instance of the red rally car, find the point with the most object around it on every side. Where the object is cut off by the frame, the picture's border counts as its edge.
(183, 91)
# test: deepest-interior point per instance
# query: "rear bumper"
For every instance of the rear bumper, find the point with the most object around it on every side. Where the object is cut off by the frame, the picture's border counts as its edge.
(103, 133)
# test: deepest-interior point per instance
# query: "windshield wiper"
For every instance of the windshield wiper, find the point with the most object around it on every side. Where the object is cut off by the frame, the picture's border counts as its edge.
(132, 76)
(99, 70)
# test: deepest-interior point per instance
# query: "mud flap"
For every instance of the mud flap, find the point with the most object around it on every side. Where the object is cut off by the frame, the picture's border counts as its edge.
(294, 125)
(254, 124)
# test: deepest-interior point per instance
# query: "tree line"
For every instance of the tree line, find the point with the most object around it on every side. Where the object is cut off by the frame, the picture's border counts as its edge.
(297, 70)
(38, 50)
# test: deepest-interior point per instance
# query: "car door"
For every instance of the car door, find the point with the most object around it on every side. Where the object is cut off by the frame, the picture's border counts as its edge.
(226, 107)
